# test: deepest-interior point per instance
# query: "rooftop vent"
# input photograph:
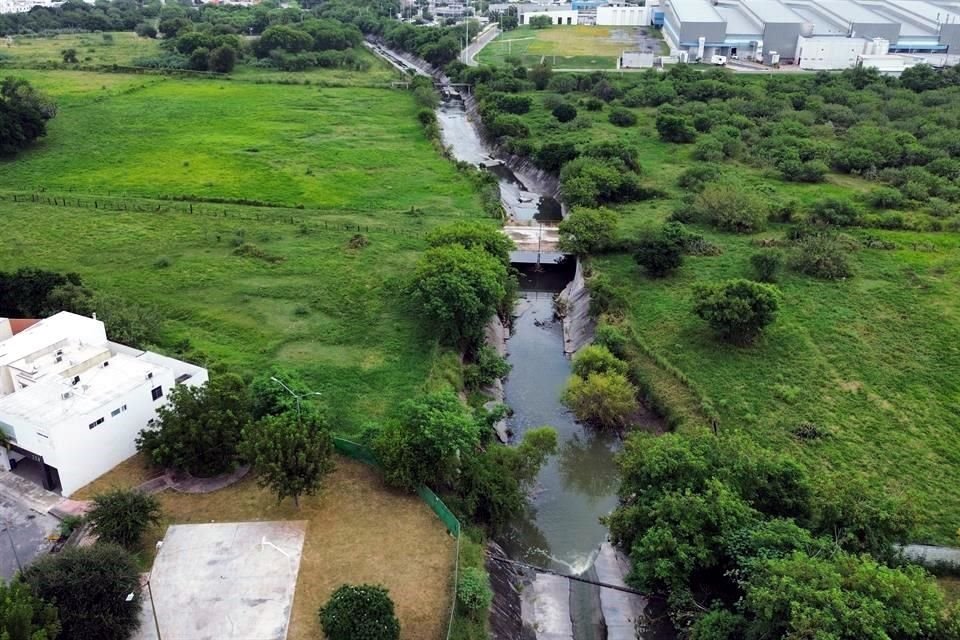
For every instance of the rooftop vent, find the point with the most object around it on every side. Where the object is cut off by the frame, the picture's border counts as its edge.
(66, 394)
(75, 381)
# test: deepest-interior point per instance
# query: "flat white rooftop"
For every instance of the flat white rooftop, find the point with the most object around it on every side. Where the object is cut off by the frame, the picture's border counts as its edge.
(737, 22)
(224, 581)
(853, 12)
(822, 25)
(772, 11)
(695, 11)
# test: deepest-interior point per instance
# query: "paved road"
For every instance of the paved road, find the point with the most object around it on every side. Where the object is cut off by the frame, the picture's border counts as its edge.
(26, 529)
(477, 45)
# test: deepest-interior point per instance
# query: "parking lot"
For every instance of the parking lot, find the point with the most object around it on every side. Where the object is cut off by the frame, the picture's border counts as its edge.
(24, 530)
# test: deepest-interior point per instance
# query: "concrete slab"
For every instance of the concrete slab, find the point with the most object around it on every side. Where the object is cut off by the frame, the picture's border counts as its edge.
(621, 611)
(545, 607)
(24, 531)
(224, 580)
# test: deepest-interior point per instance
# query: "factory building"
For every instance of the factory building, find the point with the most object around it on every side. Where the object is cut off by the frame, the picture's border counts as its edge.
(833, 29)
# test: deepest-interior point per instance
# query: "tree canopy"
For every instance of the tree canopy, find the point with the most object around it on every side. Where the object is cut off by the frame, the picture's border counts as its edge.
(24, 113)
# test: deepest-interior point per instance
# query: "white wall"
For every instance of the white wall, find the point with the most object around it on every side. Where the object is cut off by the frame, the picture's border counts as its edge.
(564, 16)
(623, 16)
(81, 454)
(829, 53)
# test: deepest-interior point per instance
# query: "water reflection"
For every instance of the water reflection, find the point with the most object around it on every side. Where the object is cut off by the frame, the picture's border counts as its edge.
(585, 464)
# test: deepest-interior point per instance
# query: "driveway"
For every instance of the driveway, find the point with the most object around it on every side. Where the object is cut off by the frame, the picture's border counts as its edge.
(24, 530)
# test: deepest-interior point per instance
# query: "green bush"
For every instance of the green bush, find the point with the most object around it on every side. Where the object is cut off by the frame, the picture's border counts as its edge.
(24, 616)
(766, 265)
(122, 516)
(622, 117)
(360, 612)
(613, 338)
(738, 310)
(821, 256)
(597, 359)
(731, 206)
(486, 367)
(473, 591)
(659, 254)
(834, 211)
(886, 198)
(602, 399)
(564, 112)
(588, 231)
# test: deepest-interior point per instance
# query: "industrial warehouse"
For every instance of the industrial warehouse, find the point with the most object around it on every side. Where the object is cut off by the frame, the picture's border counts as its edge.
(813, 34)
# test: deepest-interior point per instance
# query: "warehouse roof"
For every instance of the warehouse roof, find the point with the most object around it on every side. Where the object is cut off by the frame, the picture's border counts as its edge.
(695, 11)
(737, 21)
(853, 12)
(771, 11)
(823, 25)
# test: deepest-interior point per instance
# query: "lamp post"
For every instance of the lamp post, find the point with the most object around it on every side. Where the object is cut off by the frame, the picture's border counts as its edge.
(294, 394)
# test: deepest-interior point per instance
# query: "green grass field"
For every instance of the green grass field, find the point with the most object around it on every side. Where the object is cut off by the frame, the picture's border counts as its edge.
(566, 47)
(874, 359)
(347, 155)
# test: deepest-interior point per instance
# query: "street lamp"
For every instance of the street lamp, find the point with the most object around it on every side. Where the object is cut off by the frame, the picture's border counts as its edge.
(294, 394)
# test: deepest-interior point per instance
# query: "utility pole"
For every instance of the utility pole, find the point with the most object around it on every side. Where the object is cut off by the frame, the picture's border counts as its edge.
(13, 546)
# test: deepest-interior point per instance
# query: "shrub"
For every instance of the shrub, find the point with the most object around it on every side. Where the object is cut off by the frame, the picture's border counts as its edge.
(90, 586)
(564, 112)
(473, 591)
(553, 155)
(613, 338)
(886, 198)
(562, 84)
(674, 127)
(588, 231)
(602, 399)
(605, 297)
(24, 616)
(588, 182)
(622, 117)
(766, 265)
(834, 211)
(360, 612)
(696, 177)
(732, 207)
(122, 516)
(737, 310)
(597, 359)
(658, 254)
(508, 126)
(821, 256)
(487, 366)
(708, 149)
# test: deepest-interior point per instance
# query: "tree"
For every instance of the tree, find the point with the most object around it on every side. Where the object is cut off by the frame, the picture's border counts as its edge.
(738, 310)
(126, 323)
(69, 56)
(834, 211)
(597, 359)
(426, 441)
(199, 430)
(361, 612)
(674, 127)
(24, 113)
(283, 37)
(122, 516)
(766, 265)
(24, 616)
(659, 254)
(26, 292)
(602, 399)
(588, 231)
(89, 586)
(564, 112)
(820, 255)
(731, 206)
(844, 597)
(622, 117)
(540, 75)
(540, 22)
(458, 290)
(553, 155)
(473, 235)
(222, 59)
(290, 455)
(146, 30)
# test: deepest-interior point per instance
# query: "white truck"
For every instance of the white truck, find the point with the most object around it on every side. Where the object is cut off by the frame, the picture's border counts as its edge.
(718, 60)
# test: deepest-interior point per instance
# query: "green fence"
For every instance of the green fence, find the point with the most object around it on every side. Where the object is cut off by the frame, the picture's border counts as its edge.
(363, 453)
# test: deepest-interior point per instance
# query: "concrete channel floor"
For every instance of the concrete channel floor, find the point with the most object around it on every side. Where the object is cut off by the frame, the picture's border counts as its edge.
(25, 525)
(224, 581)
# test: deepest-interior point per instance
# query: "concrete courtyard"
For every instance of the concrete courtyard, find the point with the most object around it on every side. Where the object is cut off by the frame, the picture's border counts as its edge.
(224, 580)
(25, 526)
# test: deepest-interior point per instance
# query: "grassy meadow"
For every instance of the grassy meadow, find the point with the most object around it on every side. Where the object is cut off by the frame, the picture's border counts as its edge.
(873, 359)
(308, 300)
(568, 47)
(119, 48)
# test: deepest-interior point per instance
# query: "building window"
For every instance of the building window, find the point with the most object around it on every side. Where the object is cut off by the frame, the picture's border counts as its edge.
(124, 407)
(157, 393)
(115, 413)
(95, 423)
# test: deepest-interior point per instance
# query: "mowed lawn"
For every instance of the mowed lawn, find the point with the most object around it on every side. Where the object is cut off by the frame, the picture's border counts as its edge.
(573, 46)
(311, 302)
(358, 531)
(875, 360)
(353, 149)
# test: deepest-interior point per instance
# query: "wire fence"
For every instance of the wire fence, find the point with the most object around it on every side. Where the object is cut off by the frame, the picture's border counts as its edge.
(305, 218)
(363, 454)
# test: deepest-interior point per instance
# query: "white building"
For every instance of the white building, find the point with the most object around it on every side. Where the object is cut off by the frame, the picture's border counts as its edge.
(72, 403)
(623, 15)
(23, 6)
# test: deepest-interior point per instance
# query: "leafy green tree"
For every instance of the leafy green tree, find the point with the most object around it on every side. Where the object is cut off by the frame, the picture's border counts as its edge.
(222, 59)
(589, 231)
(487, 366)
(674, 127)
(602, 399)
(69, 56)
(122, 516)
(145, 30)
(199, 430)
(738, 310)
(25, 293)
(290, 454)
(283, 37)
(427, 441)
(493, 486)
(564, 112)
(659, 254)
(269, 398)
(472, 235)
(820, 255)
(540, 22)
(843, 597)
(458, 290)
(24, 113)
(730, 206)
(127, 323)
(89, 586)
(24, 616)
(360, 612)
(540, 75)
(553, 155)
(766, 265)
(597, 359)
(834, 211)
(622, 117)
